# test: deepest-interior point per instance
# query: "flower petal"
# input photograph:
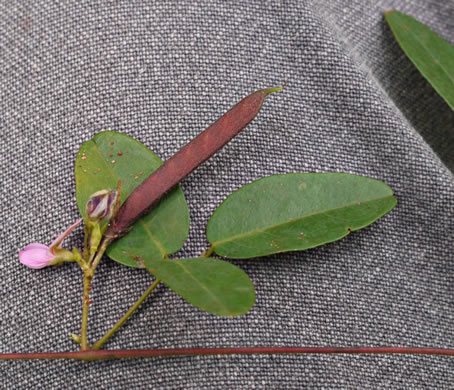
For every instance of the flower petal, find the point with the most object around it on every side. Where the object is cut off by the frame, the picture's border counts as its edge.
(61, 237)
(35, 245)
(36, 256)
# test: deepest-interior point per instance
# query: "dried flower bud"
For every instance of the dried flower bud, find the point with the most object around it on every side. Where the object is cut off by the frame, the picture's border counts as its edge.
(100, 205)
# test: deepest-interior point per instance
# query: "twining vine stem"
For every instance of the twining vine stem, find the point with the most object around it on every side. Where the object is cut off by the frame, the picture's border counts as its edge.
(147, 353)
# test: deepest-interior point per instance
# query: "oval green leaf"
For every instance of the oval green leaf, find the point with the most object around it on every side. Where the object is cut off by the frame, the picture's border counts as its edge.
(295, 211)
(430, 53)
(214, 286)
(111, 157)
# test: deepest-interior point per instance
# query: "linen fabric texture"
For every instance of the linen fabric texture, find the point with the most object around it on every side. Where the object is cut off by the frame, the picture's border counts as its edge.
(161, 72)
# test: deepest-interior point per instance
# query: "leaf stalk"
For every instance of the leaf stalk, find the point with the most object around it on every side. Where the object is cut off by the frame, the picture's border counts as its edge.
(123, 319)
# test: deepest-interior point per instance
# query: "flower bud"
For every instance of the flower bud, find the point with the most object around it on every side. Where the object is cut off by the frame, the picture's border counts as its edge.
(100, 205)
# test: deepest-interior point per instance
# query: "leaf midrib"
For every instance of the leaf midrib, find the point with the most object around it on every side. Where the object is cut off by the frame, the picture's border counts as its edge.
(109, 166)
(110, 170)
(270, 227)
(155, 241)
(212, 295)
(435, 60)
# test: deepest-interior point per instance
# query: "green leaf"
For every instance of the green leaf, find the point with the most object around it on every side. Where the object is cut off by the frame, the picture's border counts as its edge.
(212, 285)
(110, 157)
(295, 211)
(431, 54)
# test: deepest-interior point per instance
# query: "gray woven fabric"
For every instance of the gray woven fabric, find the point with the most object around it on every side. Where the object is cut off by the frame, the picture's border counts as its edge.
(161, 72)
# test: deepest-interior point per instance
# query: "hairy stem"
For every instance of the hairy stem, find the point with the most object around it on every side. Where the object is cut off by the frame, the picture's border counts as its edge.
(102, 248)
(133, 308)
(89, 271)
(85, 305)
(144, 353)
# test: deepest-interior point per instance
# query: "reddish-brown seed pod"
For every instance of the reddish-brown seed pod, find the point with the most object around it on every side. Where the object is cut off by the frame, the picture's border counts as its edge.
(182, 163)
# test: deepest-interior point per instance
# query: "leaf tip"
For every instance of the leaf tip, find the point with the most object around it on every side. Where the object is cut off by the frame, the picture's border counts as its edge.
(268, 91)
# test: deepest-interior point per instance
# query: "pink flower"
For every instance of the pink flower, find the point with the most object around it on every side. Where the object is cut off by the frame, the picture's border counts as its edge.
(38, 255)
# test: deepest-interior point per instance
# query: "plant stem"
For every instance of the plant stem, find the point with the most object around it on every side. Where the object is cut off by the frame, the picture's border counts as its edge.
(89, 271)
(85, 305)
(133, 308)
(143, 353)
(102, 248)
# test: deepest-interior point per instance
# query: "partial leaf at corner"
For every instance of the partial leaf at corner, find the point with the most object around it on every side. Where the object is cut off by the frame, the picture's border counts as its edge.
(430, 53)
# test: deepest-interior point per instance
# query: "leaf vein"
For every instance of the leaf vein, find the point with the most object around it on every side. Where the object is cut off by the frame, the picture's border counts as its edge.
(270, 227)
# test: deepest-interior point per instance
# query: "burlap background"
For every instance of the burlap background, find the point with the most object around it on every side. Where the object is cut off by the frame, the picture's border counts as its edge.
(161, 72)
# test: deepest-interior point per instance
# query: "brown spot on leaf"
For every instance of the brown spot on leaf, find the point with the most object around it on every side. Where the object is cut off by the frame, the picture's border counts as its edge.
(140, 263)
